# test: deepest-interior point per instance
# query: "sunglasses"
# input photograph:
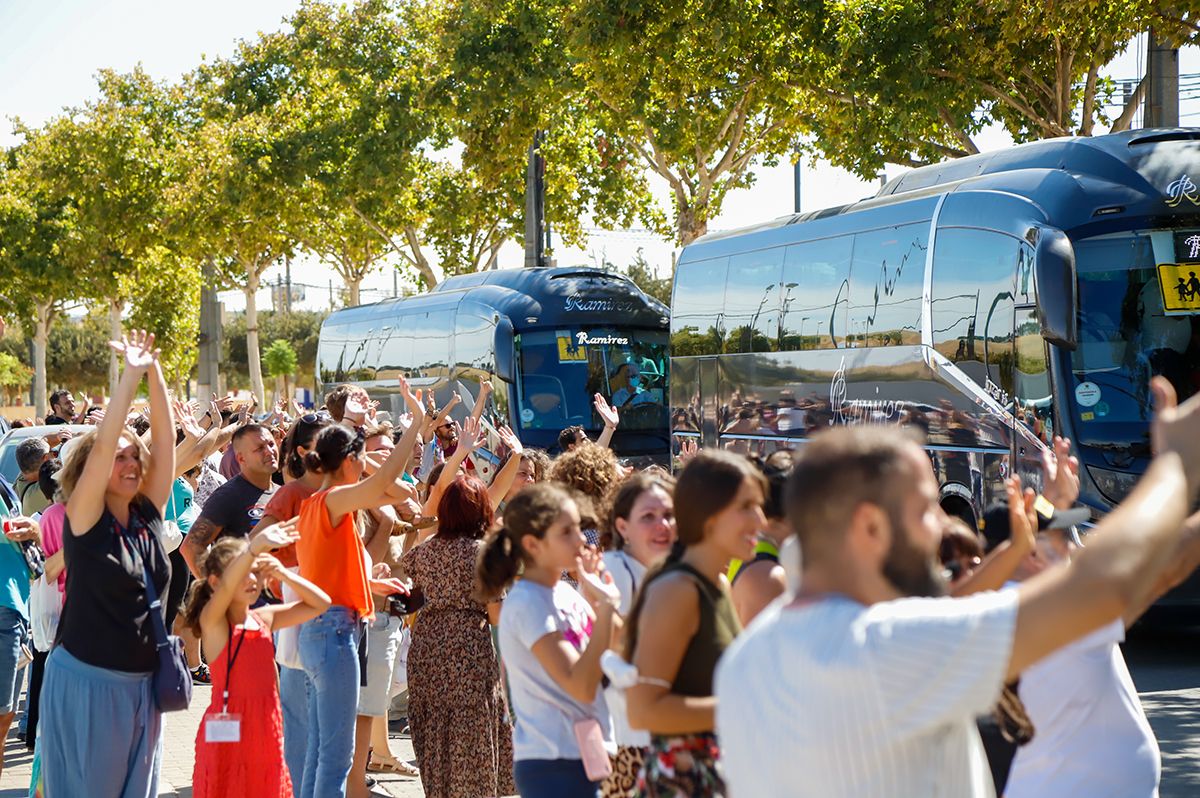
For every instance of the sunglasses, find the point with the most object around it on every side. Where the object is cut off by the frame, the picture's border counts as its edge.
(313, 418)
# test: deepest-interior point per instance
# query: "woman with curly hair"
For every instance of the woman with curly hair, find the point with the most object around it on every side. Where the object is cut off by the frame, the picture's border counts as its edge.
(593, 471)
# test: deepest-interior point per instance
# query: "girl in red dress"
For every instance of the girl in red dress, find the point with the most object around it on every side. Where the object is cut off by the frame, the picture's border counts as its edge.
(239, 746)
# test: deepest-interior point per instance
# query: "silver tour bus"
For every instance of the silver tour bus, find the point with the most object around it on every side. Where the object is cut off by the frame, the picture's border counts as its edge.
(993, 301)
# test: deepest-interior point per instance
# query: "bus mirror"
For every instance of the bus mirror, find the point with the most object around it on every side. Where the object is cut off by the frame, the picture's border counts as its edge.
(505, 351)
(1057, 302)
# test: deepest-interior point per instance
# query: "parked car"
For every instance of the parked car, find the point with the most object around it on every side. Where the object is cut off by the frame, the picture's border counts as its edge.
(10, 442)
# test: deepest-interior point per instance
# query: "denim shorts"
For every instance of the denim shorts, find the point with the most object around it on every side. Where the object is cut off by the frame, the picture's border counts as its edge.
(14, 630)
(553, 778)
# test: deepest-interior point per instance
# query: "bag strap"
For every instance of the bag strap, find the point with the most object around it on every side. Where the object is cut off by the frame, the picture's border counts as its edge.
(157, 626)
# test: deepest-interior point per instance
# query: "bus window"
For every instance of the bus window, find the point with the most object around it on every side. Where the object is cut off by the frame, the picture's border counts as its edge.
(973, 279)
(816, 282)
(696, 323)
(887, 280)
(1031, 383)
(561, 370)
(752, 301)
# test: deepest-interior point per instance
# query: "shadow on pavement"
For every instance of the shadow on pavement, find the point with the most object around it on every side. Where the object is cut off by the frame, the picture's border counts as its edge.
(1163, 661)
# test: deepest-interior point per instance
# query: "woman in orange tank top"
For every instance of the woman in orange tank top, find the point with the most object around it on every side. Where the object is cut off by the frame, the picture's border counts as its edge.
(332, 556)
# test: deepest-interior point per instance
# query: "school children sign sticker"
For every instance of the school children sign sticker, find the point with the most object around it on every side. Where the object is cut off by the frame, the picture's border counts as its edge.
(1180, 284)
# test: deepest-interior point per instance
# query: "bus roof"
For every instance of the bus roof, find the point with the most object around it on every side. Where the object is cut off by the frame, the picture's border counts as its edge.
(546, 295)
(1131, 173)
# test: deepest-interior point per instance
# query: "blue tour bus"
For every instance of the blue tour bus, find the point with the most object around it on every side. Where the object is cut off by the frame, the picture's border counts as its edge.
(993, 301)
(549, 338)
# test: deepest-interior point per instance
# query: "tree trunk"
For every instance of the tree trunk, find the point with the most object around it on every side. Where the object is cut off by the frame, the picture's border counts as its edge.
(353, 289)
(41, 339)
(689, 226)
(280, 387)
(253, 357)
(419, 259)
(115, 307)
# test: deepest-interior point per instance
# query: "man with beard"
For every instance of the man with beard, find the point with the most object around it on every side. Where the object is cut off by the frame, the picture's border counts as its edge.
(865, 684)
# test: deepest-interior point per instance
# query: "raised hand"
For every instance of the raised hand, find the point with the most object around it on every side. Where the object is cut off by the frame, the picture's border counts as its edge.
(473, 435)
(267, 568)
(275, 536)
(1061, 472)
(597, 583)
(511, 441)
(355, 411)
(610, 415)
(1176, 428)
(486, 387)
(247, 413)
(137, 348)
(688, 448)
(1022, 517)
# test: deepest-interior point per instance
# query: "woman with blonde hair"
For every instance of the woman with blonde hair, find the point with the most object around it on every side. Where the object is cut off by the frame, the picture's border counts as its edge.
(101, 730)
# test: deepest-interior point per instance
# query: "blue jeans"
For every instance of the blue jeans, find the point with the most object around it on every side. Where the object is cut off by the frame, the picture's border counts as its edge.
(293, 698)
(553, 778)
(13, 631)
(329, 651)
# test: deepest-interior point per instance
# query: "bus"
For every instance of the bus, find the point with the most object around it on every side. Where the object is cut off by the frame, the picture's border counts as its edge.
(549, 339)
(993, 301)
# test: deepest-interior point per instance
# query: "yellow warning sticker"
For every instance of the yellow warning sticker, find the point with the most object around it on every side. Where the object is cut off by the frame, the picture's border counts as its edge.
(569, 351)
(1180, 287)
(1087, 416)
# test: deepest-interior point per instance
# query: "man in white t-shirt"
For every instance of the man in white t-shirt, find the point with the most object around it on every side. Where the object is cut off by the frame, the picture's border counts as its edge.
(1091, 736)
(856, 687)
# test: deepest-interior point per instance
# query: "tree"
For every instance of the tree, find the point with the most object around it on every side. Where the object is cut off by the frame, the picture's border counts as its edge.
(35, 227)
(14, 376)
(644, 276)
(913, 81)
(77, 353)
(280, 361)
(301, 330)
(112, 160)
(239, 211)
(167, 303)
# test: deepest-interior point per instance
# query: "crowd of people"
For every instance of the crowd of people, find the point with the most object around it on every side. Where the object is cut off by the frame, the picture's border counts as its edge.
(569, 626)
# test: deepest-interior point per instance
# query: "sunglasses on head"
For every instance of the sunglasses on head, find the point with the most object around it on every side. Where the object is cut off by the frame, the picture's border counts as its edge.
(313, 418)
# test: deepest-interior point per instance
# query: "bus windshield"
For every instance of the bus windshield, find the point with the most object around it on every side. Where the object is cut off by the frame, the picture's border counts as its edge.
(561, 370)
(1130, 331)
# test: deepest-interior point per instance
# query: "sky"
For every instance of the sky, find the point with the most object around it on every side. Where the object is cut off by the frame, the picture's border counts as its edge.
(51, 50)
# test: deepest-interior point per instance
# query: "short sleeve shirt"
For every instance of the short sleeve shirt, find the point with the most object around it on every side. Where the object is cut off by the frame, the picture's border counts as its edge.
(285, 505)
(237, 506)
(545, 713)
(833, 698)
(52, 536)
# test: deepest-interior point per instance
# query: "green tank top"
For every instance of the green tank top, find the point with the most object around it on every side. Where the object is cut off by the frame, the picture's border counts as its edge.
(715, 633)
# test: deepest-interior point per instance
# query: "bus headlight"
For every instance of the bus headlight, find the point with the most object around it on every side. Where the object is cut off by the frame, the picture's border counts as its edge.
(1115, 485)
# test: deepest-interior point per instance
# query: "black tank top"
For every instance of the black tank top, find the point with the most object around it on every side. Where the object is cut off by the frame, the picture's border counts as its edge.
(105, 618)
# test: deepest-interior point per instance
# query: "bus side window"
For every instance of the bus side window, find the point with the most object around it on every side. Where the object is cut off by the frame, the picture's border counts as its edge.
(752, 301)
(974, 272)
(887, 282)
(816, 294)
(1034, 400)
(697, 326)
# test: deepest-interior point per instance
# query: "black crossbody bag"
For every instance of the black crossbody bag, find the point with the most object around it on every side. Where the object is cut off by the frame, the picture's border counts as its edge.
(172, 679)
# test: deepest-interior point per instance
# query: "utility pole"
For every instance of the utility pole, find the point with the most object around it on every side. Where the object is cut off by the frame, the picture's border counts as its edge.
(796, 183)
(287, 267)
(1161, 107)
(208, 377)
(536, 236)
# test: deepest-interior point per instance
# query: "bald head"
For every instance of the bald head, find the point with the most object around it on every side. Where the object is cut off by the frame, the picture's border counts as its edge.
(843, 469)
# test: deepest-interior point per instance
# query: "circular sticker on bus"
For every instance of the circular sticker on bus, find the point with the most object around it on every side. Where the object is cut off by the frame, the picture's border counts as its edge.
(527, 415)
(1087, 394)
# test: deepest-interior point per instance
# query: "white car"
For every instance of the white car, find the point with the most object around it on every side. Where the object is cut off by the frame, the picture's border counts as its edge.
(10, 442)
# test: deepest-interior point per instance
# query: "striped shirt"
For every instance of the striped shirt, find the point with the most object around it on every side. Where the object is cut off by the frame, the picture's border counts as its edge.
(833, 698)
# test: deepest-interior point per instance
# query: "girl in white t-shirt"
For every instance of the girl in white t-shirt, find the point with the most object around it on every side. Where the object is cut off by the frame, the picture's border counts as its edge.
(639, 533)
(551, 639)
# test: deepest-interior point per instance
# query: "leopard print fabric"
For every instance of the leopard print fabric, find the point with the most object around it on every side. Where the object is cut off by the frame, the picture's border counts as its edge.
(623, 781)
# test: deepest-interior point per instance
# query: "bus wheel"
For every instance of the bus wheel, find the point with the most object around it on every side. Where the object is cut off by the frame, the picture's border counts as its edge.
(958, 507)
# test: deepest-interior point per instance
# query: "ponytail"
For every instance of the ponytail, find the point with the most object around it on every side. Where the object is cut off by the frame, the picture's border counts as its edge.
(219, 557)
(531, 512)
(333, 445)
(498, 565)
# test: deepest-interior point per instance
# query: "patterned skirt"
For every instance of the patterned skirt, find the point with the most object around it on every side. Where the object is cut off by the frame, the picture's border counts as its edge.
(682, 767)
(626, 767)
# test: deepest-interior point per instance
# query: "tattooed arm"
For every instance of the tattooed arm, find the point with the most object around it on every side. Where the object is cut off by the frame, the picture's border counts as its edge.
(199, 538)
